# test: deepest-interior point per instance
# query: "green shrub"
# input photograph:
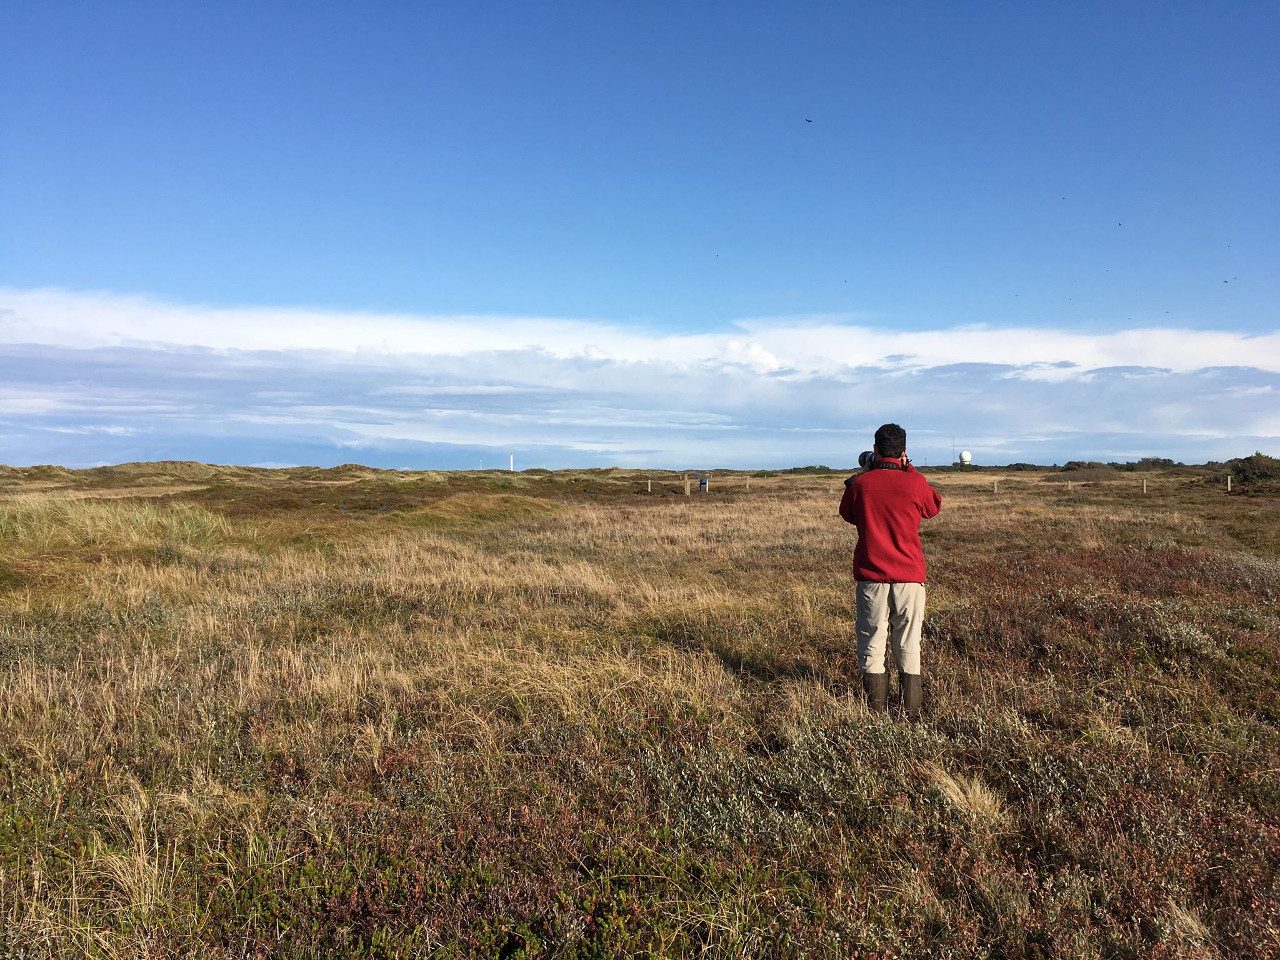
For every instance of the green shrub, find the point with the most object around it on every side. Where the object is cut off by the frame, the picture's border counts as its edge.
(1254, 469)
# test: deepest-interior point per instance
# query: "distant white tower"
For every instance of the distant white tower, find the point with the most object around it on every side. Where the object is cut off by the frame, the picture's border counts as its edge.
(966, 457)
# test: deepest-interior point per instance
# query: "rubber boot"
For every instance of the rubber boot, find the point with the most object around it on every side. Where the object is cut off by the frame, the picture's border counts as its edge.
(876, 687)
(912, 694)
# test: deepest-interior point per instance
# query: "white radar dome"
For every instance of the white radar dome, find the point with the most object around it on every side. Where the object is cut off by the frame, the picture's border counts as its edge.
(966, 456)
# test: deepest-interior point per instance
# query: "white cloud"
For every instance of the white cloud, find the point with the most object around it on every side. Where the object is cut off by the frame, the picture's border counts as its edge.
(28, 405)
(119, 377)
(804, 346)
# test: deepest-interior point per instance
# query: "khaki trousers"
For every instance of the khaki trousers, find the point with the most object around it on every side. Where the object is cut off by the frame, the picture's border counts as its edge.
(889, 611)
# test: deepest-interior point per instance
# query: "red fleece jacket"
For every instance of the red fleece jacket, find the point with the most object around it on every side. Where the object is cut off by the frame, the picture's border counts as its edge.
(886, 504)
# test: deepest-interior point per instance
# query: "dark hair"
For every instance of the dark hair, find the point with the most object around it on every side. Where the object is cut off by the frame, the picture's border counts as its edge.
(891, 441)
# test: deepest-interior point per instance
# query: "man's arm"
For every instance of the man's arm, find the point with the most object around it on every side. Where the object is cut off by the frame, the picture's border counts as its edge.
(930, 502)
(849, 499)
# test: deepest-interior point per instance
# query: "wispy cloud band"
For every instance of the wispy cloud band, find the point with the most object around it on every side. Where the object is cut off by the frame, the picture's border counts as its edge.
(104, 377)
(818, 344)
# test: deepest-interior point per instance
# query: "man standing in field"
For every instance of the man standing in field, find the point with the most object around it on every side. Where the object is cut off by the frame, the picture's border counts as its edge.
(886, 502)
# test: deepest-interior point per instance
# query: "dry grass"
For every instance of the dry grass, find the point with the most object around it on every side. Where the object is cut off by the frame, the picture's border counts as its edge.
(970, 796)
(349, 713)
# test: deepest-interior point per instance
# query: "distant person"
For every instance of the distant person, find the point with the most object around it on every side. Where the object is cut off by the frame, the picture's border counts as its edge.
(886, 502)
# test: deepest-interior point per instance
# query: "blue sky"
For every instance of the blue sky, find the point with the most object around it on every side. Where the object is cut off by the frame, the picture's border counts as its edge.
(662, 234)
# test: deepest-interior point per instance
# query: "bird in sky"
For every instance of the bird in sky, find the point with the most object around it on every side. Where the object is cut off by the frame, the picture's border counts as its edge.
(807, 120)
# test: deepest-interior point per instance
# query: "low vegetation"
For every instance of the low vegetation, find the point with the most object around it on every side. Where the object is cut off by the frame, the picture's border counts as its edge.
(1258, 470)
(352, 713)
